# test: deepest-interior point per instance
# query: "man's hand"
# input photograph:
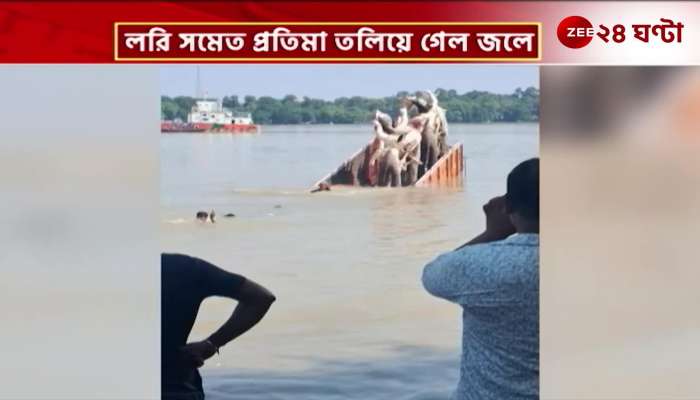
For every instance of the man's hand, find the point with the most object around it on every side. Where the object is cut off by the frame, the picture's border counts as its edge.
(196, 353)
(498, 223)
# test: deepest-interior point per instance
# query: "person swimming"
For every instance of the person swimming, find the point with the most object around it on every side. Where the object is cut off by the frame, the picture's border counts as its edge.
(202, 216)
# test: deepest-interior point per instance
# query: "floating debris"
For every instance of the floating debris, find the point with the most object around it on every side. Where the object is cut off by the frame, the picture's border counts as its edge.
(323, 186)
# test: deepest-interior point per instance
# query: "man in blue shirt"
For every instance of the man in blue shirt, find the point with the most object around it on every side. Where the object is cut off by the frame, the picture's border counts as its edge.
(495, 278)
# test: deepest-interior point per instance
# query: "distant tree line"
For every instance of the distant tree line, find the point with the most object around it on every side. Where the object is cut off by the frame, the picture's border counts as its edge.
(474, 106)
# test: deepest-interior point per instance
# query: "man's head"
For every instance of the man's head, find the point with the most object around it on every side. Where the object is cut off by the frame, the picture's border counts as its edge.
(523, 194)
(202, 216)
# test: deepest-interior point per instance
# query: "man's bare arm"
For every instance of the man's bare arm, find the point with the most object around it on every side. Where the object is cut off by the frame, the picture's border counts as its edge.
(253, 303)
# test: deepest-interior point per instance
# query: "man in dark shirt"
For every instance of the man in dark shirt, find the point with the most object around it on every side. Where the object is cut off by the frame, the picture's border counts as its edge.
(185, 283)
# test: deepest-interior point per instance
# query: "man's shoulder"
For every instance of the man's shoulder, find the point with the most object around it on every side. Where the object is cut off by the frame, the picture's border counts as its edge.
(175, 267)
(521, 239)
(517, 240)
(486, 252)
(479, 248)
(172, 259)
(168, 257)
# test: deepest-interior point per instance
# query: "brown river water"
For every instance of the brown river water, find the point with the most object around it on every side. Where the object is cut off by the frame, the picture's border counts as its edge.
(352, 320)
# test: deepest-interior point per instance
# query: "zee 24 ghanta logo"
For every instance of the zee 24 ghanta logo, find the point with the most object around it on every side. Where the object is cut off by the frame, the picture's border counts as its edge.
(576, 32)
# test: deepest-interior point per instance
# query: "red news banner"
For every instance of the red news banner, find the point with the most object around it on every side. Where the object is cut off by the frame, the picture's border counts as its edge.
(327, 42)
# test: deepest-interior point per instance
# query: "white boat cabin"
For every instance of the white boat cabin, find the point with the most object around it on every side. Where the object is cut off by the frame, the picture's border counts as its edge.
(213, 112)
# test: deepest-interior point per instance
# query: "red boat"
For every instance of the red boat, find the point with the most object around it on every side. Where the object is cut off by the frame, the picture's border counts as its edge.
(209, 116)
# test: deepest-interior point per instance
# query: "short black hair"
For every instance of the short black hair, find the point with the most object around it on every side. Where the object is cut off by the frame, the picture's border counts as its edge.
(523, 195)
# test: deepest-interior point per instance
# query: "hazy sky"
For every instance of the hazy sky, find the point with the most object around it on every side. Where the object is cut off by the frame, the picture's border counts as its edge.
(332, 81)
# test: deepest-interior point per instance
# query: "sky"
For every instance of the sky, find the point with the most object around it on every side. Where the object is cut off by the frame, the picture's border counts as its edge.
(341, 80)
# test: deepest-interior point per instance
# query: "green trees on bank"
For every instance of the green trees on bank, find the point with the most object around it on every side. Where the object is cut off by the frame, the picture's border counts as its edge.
(475, 106)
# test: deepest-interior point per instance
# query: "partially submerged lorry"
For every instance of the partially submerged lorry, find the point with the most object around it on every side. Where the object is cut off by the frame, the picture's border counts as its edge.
(361, 170)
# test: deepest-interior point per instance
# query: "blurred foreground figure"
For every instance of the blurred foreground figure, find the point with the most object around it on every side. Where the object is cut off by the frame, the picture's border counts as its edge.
(185, 283)
(495, 278)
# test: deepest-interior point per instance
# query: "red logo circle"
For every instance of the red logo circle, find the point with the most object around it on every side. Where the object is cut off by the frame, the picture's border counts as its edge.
(575, 32)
